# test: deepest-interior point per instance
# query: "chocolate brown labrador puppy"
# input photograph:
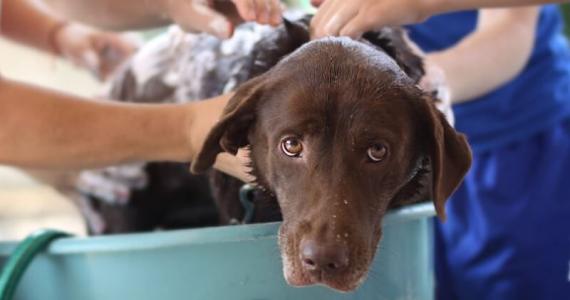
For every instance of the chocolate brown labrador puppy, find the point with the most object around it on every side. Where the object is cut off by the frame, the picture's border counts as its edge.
(338, 132)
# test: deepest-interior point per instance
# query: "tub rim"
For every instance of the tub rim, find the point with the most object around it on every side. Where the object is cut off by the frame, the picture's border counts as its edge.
(195, 236)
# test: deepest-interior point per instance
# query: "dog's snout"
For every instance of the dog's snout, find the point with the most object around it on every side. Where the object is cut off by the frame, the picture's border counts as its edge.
(327, 258)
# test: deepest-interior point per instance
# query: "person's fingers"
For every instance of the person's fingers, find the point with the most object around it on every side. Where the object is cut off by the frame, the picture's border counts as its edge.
(90, 60)
(361, 23)
(317, 3)
(108, 53)
(316, 19)
(126, 45)
(337, 21)
(275, 12)
(246, 9)
(75, 44)
(336, 15)
(321, 17)
(200, 17)
(112, 51)
(228, 9)
(262, 11)
(118, 43)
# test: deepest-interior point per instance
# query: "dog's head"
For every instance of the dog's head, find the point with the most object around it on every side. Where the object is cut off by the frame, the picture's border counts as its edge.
(339, 132)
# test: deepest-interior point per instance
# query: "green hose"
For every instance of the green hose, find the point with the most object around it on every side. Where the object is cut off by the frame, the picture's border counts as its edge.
(21, 258)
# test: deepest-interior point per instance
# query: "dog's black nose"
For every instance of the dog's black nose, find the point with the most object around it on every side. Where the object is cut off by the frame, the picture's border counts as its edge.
(329, 258)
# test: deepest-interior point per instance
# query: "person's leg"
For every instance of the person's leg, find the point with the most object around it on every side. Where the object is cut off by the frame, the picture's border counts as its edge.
(507, 231)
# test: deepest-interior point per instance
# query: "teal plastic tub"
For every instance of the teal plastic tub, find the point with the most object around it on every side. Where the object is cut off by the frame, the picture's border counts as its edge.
(238, 262)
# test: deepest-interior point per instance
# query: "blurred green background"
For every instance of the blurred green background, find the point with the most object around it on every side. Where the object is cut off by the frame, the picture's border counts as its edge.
(566, 11)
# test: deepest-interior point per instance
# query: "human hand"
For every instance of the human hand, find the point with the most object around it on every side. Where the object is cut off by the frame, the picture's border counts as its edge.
(214, 16)
(434, 80)
(99, 52)
(353, 18)
(261, 11)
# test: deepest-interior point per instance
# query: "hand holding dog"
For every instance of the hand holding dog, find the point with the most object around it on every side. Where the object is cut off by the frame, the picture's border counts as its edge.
(203, 16)
(352, 18)
(98, 51)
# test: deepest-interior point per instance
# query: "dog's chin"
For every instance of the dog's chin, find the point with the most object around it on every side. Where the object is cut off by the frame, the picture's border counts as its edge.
(298, 278)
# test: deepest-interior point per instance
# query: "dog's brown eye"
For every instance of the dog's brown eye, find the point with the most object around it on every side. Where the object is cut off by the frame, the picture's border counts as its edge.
(377, 152)
(292, 146)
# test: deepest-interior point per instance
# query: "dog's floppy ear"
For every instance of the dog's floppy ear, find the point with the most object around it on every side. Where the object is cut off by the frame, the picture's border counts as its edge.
(230, 133)
(394, 41)
(449, 154)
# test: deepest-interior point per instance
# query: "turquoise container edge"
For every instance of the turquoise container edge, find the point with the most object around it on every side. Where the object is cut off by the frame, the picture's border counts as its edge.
(235, 262)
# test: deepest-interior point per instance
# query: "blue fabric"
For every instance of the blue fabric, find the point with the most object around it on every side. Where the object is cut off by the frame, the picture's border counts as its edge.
(507, 236)
(537, 99)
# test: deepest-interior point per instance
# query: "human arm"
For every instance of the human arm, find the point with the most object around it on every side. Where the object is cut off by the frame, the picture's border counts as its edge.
(191, 15)
(442, 6)
(492, 55)
(28, 23)
(352, 18)
(49, 130)
(32, 23)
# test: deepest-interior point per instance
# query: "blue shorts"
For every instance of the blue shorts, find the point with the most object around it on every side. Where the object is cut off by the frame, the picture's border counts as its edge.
(507, 236)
